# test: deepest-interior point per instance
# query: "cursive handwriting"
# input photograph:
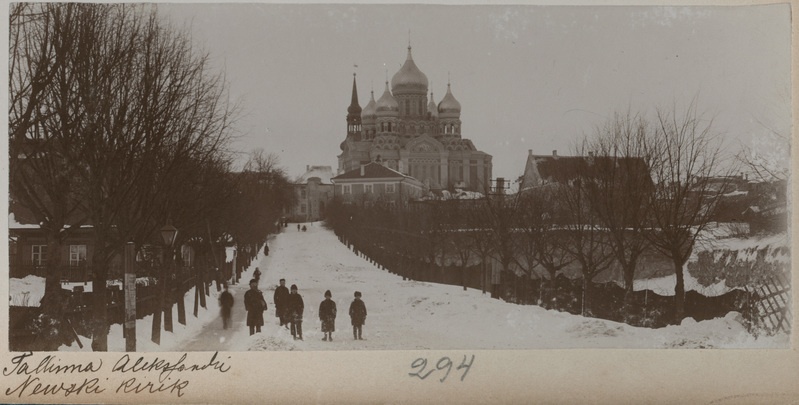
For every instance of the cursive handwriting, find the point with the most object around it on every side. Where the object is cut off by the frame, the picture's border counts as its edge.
(141, 374)
(33, 386)
(48, 364)
(165, 367)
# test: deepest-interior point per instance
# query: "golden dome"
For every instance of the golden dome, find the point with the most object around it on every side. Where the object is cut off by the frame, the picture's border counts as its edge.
(449, 107)
(387, 105)
(409, 79)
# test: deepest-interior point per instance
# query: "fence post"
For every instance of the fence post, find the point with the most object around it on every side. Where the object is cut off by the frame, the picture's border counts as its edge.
(130, 297)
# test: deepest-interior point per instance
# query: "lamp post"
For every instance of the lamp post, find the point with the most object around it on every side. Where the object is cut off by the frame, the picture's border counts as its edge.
(168, 233)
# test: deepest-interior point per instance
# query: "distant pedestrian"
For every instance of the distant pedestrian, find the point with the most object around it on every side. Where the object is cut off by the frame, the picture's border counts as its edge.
(295, 309)
(304, 228)
(257, 274)
(327, 314)
(281, 300)
(298, 227)
(255, 305)
(266, 249)
(226, 304)
(358, 316)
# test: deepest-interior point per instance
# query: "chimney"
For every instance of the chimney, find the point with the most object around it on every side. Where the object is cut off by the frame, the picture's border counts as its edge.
(529, 152)
(500, 185)
(555, 152)
(363, 170)
(307, 168)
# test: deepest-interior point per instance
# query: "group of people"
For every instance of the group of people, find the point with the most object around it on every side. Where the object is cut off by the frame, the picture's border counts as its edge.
(289, 308)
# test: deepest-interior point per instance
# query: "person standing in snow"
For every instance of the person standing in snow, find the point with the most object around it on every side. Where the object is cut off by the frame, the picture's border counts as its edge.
(257, 274)
(226, 303)
(266, 249)
(281, 300)
(294, 309)
(327, 314)
(255, 305)
(298, 227)
(358, 316)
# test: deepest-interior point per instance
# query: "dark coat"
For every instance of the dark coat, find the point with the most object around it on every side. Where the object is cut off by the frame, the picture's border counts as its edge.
(295, 308)
(327, 314)
(281, 299)
(255, 305)
(358, 312)
(226, 301)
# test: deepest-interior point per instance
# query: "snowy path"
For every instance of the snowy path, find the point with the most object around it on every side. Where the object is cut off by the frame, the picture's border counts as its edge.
(213, 336)
(417, 315)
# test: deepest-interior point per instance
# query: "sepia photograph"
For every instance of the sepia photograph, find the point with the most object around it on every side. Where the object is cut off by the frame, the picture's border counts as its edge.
(218, 179)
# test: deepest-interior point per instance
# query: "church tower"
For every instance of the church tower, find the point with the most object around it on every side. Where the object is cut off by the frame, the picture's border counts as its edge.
(354, 114)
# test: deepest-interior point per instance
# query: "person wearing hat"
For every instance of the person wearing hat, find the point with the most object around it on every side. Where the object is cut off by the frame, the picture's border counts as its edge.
(327, 314)
(281, 300)
(255, 305)
(358, 316)
(295, 308)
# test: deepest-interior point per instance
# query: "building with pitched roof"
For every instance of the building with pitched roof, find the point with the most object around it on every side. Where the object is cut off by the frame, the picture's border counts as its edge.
(375, 184)
(413, 135)
(313, 191)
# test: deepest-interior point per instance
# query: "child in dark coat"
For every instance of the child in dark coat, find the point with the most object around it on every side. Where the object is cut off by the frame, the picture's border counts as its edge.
(358, 316)
(255, 304)
(295, 308)
(327, 314)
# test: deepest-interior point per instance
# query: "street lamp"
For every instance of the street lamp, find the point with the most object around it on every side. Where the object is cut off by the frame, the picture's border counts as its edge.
(169, 232)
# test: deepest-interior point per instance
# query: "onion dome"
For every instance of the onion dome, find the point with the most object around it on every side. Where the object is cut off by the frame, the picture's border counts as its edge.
(409, 79)
(369, 112)
(387, 105)
(449, 107)
(431, 106)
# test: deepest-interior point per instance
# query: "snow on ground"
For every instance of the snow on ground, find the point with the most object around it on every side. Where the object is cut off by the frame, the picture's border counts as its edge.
(405, 314)
(418, 315)
(28, 291)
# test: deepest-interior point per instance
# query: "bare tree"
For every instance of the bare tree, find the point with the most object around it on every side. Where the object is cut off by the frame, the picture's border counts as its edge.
(619, 189)
(542, 242)
(40, 180)
(584, 238)
(690, 177)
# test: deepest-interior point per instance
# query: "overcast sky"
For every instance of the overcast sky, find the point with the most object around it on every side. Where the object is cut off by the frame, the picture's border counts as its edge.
(527, 77)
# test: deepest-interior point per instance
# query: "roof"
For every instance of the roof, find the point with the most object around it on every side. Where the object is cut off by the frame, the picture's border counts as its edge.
(324, 173)
(371, 170)
(543, 169)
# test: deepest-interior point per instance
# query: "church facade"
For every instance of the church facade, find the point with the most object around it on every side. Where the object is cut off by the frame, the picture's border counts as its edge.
(407, 132)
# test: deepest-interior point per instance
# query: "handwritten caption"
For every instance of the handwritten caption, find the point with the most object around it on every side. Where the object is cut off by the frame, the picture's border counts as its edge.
(422, 371)
(51, 376)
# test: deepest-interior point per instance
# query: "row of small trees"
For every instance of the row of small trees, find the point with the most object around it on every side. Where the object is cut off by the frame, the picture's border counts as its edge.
(117, 121)
(637, 186)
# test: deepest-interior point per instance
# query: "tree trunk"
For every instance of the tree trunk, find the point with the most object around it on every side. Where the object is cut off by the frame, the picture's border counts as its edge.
(679, 292)
(99, 309)
(155, 335)
(586, 295)
(629, 276)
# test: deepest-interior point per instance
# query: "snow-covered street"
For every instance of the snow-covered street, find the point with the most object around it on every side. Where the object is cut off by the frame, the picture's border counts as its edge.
(417, 315)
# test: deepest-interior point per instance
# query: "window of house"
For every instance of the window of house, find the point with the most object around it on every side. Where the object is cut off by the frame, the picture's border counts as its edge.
(77, 255)
(390, 188)
(346, 189)
(302, 208)
(367, 188)
(38, 254)
(302, 193)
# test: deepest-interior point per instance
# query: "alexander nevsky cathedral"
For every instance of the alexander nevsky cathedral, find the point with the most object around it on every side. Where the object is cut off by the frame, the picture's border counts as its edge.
(406, 132)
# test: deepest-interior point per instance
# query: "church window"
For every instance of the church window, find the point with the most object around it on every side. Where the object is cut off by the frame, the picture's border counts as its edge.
(302, 208)
(346, 189)
(367, 189)
(389, 188)
(407, 107)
